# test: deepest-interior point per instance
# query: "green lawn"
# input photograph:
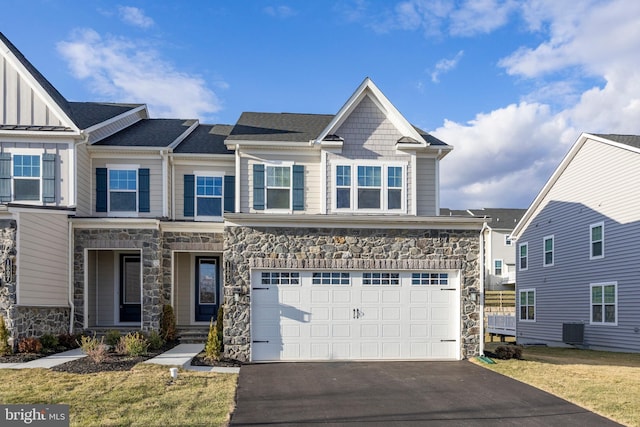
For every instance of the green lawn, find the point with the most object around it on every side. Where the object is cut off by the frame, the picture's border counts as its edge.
(603, 382)
(144, 396)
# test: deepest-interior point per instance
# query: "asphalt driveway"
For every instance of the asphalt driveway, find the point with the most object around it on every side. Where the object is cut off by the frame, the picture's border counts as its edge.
(396, 393)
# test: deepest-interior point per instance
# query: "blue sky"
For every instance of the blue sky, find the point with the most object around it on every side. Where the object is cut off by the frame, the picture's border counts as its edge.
(510, 84)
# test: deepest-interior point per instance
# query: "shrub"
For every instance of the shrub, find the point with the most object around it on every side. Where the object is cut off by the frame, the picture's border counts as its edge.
(509, 352)
(213, 348)
(49, 342)
(155, 340)
(168, 330)
(5, 348)
(68, 341)
(132, 344)
(112, 337)
(94, 348)
(29, 345)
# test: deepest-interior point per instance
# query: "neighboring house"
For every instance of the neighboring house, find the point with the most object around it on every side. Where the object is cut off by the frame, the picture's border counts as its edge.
(577, 250)
(320, 234)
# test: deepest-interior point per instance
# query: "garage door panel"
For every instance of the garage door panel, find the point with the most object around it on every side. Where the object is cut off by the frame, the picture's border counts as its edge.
(390, 296)
(341, 296)
(320, 296)
(390, 313)
(442, 296)
(370, 297)
(369, 350)
(319, 313)
(420, 330)
(391, 331)
(369, 331)
(391, 350)
(341, 351)
(418, 296)
(289, 331)
(341, 313)
(319, 331)
(341, 330)
(418, 313)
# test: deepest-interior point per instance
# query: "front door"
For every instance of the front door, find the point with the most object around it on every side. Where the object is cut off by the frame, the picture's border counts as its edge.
(207, 292)
(130, 285)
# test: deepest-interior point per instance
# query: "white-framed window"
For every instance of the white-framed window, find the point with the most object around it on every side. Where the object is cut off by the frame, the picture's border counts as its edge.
(547, 251)
(209, 196)
(330, 278)
(380, 279)
(604, 303)
(527, 303)
(123, 188)
(523, 256)
(278, 187)
(508, 241)
(280, 278)
(497, 267)
(370, 187)
(418, 279)
(596, 237)
(26, 177)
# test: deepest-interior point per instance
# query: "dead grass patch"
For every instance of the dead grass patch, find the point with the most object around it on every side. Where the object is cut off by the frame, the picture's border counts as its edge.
(603, 382)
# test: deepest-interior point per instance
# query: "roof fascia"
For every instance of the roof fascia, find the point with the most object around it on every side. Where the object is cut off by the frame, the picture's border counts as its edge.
(28, 77)
(119, 117)
(367, 87)
(183, 135)
(45, 136)
(272, 144)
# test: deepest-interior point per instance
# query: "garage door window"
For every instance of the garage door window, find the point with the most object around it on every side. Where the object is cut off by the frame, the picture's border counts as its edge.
(328, 278)
(430, 279)
(380, 278)
(280, 278)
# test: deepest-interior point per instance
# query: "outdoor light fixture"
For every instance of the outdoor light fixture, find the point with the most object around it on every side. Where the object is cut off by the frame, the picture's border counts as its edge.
(8, 270)
(236, 297)
(473, 296)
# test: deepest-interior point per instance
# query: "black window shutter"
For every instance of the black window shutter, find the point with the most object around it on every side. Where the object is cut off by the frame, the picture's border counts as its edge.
(229, 193)
(258, 187)
(5, 177)
(101, 189)
(48, 178)
(143, 190)
(298, 187)
(189, 194)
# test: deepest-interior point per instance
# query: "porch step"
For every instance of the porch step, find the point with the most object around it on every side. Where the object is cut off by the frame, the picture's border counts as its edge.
(193, 335)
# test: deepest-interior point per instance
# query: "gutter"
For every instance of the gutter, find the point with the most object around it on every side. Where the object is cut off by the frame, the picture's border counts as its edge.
(481, 293)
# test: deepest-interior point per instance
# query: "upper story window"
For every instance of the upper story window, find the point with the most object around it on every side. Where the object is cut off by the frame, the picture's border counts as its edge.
(596, 233)
(497, 267)
(278, 187)
(548, 251)
(122, 189)
(369, 187)
(523, 256)
(28, 177)
(209, 196)
(507, 240)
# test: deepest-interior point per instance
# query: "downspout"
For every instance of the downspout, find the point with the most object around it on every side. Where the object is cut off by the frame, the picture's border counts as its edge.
(481, 293)
(72, 312)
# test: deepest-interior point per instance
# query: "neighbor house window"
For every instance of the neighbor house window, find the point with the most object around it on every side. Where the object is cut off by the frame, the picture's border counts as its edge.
(548, 251)
(507, 240)
(497, 267)
(26, 177)
(369, 187)
(596, 232)
(604, 301)
(208, 196)
(528, 304)
(123, 189)
(523, 256)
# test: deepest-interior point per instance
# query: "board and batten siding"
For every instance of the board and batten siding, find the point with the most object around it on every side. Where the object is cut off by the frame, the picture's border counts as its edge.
(43, 259)
(592, 189)
(312, 179)
(226, 168)
(20, 104)
(155, 183)
(426, 193)
(85, 178)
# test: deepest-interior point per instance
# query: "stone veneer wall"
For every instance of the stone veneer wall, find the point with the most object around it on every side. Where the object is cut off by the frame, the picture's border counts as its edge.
(125, 239)
(8, 297)
(298, 248)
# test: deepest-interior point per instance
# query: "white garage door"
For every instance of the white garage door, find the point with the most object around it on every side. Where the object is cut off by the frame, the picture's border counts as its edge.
(355, 316)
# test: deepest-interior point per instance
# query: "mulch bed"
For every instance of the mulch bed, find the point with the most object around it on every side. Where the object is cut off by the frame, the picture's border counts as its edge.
(21, 357)
(201, 360)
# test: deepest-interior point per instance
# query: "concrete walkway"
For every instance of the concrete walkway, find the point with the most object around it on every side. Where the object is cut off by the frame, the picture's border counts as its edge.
(179, 355)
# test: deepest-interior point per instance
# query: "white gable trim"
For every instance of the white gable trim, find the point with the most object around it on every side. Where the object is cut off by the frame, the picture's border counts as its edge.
(584, 137)
(368, 88)
(28, 77)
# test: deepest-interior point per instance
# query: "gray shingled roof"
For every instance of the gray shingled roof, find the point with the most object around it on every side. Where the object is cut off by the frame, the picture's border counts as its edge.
(285, 127)
(432, 140)
(87, 114)
(148, 133)
(500, 217)
(454, 212)
(206, 139)
(631, 140)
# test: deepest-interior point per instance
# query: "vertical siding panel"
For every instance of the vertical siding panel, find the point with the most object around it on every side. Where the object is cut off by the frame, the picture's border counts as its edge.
(426, 186)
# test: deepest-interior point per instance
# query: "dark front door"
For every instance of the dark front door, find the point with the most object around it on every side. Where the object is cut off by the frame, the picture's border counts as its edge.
(207, 292)
(130, 287)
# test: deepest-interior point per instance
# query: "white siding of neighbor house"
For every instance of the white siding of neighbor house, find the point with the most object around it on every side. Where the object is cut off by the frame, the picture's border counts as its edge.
(214, 166)
(43, 259)
(183, 278)
(498, 250)
(426, 177)
(368, 135)
(598, 185)
(155, 182)
(20, 104)
(312, 180)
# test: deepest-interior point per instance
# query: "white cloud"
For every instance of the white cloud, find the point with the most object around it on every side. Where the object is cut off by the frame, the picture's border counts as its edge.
(134, 16)
(280, 11)
(122, 70)
(445, 65)
(480, 16)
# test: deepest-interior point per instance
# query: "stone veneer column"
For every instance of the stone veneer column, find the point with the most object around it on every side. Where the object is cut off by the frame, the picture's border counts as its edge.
(8, 297)
(321, 248)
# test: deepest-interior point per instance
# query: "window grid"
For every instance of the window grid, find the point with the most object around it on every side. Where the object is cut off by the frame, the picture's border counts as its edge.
(527, 304)
(497, 267)
(122, 180)
(508, 241)
(548, 251)
(209, 195)
(330, 278)
(123, 186)
(26, 166)
(596, 233)
(523, 256)
(604, 303)
(280, 278)
(278, 187)
(380, 278)
(429, 278)
(343, 187)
